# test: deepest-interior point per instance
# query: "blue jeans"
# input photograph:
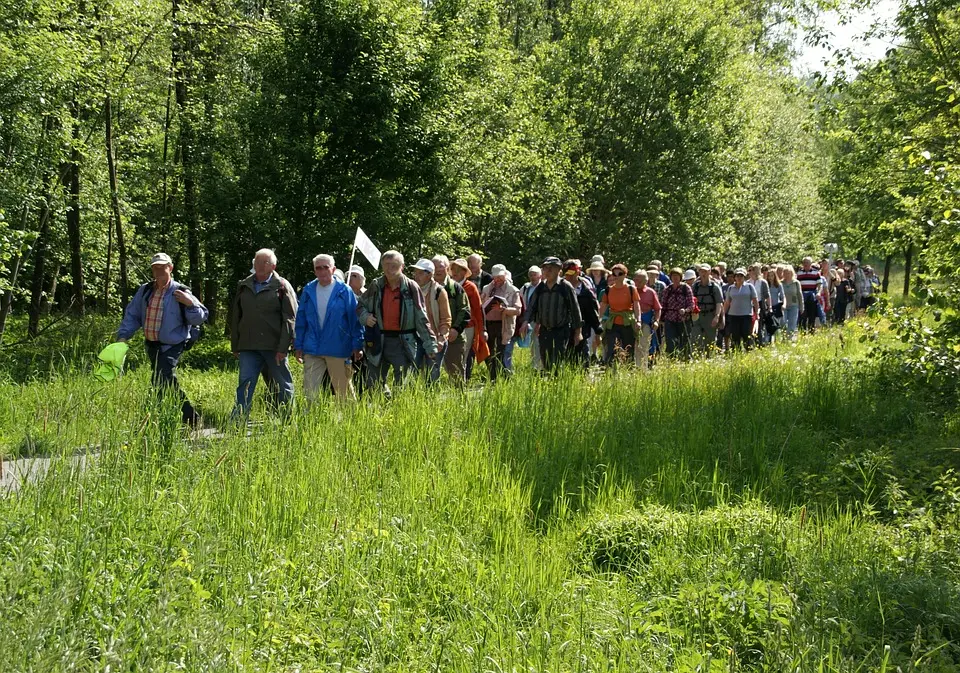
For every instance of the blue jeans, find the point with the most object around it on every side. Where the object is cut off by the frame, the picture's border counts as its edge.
(500, 361)
(675, 334)
(251, 364)
(791, 315)
(431, 369)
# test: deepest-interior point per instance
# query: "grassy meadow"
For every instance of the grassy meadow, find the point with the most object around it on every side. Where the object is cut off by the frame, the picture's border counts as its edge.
(794, 509)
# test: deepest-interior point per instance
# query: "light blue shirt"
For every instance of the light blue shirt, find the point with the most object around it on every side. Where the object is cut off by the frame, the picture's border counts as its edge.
(741, 301)
(259, 287)
(323, 298)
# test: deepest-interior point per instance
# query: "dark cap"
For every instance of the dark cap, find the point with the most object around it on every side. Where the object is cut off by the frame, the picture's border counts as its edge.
(551, 261)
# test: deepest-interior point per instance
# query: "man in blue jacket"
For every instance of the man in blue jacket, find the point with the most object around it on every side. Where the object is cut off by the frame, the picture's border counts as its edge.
(166, 310)
(328, 333)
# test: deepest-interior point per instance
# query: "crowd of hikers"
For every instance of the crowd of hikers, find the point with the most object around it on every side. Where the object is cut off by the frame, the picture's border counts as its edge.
(440, 315)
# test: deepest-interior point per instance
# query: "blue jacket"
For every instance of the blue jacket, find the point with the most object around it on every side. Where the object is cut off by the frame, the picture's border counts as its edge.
(341, 334)
(173, 328)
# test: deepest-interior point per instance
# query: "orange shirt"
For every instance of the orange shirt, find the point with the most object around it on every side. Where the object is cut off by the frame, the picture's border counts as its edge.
(391, 308)
(621, 299)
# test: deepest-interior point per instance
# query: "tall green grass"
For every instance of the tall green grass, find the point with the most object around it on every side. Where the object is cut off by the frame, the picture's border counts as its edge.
(772, 512)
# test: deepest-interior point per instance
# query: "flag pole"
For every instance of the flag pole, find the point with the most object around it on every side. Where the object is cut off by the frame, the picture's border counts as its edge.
(353, 251)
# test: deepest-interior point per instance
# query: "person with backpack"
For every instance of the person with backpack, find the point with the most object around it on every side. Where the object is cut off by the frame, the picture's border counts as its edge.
(620, 310)
(262, 326)
(395, 314)
(555, 311)
(589, 312)
(170, 317)
(709, 297)
(437, 303)
(455, 357)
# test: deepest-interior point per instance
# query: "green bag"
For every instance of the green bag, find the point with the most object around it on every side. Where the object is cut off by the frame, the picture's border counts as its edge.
(111, 361)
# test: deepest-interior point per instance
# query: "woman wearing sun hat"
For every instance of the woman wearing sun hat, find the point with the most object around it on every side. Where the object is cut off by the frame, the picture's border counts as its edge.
(621, 310)
(677, 302)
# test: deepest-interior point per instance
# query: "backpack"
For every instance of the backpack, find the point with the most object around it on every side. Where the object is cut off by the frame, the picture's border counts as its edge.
(707, 302)
(193, 331)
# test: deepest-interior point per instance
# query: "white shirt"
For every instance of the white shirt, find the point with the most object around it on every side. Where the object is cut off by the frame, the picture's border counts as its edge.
(323, 298)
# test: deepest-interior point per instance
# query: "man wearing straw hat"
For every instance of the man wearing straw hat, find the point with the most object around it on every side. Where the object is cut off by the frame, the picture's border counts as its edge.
(455, 357)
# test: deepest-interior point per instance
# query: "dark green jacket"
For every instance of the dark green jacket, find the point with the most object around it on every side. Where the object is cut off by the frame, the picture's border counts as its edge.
(265, 320)
(414, 323)
(459, 306)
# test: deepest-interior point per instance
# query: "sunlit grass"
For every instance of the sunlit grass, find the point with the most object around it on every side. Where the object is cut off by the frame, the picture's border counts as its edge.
(776, 511)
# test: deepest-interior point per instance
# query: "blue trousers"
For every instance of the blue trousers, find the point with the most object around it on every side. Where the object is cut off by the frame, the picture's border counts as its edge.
(432, 369)
(251, 364)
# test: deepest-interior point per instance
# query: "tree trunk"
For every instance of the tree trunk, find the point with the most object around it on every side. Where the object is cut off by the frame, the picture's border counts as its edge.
(180, 74)
(908, 264)
(886, 272)
(115, 203)
(7, 300)
(39, 262)
(211, 289)
(106, 276)
(71, 183)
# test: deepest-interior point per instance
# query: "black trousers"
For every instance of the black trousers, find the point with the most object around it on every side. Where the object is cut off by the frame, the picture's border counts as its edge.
(164, 379)
(811, 309)
(553, 346)
(740, 327)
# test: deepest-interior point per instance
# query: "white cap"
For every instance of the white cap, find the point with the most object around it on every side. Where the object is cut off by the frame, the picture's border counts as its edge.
(534, 269)
(338, 274)
(357, 270)
(161, 258)
(498, 270)
(689, 274)
(424, 265)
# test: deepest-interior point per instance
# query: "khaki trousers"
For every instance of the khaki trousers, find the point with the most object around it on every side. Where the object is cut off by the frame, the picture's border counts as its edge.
(641, 352)
(341, 376)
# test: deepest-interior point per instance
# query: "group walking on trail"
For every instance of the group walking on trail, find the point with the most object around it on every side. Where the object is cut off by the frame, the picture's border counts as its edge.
(441, 315)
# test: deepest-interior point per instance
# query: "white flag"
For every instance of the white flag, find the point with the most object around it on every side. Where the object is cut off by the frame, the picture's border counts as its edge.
(366, 246)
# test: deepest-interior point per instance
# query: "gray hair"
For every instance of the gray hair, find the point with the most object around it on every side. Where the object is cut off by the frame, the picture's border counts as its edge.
(266, 252)
(392, 255)
(475, 258)
(441, 259)
(324, 258)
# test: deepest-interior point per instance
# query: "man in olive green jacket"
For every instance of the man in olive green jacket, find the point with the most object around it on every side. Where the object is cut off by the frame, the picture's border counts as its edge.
(261, 331)
(393, 311)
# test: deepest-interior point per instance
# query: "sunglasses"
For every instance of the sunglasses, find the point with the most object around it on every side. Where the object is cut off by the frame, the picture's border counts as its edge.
(619, 273)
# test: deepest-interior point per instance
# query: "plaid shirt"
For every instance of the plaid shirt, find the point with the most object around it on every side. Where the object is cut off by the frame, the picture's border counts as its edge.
(675, 298)
(151, 323)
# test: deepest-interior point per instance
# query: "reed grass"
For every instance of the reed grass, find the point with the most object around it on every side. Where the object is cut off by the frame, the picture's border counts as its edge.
(775, 511)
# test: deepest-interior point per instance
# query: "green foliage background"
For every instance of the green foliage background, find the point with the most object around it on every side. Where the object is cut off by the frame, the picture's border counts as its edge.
(632, 128)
